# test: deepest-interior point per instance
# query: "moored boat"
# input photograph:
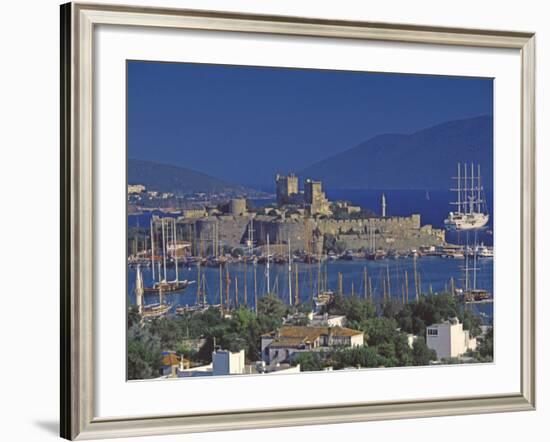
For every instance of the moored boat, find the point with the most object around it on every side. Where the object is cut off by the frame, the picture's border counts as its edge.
(471, 208)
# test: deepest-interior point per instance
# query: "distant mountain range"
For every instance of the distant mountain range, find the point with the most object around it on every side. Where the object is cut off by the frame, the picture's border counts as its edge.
(426, 159)
(176, 179)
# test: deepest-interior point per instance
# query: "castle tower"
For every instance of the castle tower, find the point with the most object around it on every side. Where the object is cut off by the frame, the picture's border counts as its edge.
(286, 188)
(383, 205)
(315, 198)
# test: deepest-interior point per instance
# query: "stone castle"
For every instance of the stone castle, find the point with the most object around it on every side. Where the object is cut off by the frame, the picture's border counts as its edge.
(312, 197)
(308, 220)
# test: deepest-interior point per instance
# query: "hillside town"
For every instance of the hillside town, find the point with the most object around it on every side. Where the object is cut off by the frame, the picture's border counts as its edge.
(264, 299)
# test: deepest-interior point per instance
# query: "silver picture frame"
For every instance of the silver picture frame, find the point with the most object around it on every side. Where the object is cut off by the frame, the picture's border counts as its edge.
(78, 21)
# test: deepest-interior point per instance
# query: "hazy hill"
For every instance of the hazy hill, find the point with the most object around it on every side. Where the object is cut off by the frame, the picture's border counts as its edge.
(423, 160)
(168, 178)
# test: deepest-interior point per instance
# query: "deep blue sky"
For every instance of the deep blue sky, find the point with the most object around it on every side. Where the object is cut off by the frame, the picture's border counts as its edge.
(244, 124)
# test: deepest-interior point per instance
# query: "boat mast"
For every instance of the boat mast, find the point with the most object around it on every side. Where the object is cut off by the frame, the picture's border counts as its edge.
(245, 285)
(203, 289)
(388, 277)
(415, 277)
(458, 188)
(175, 238)
(365, 286)
(236, 292)
(199, 281)
(267, 265)
(479, 188)
(297, 288)
(466, 274)
(215, 239)
(475, 261)
(372, 235)
(289, 274)
(152, 248)
(163, 249)
(227, 283)
(251, 236)
(465, 188)
(255, 288)
(407, 286)
(370, 288)
(325, 282)
(319, 288)
(221, 289)
(472, 190)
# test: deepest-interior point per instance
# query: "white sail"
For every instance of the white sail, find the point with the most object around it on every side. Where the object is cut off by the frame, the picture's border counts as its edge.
(469, 214)
(139, 290)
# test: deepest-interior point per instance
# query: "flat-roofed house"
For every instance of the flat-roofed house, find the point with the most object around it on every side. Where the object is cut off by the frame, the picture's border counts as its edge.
(449, 339)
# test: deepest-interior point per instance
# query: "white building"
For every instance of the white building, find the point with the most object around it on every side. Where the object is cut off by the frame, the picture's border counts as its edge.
(135, 188)
(326, 320)
(224, 362)
(449, 340)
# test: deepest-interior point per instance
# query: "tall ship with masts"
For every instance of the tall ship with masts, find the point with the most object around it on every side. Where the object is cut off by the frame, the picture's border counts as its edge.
(149, 311)
(471, 206)
(168, 234)
(471, 293)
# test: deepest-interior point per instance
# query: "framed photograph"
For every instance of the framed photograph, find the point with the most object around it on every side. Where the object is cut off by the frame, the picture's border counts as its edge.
(275, 221)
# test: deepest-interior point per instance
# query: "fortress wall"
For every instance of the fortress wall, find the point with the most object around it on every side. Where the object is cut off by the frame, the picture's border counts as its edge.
(401, 233)
(280, 231)
(231, 230)
(390, 224)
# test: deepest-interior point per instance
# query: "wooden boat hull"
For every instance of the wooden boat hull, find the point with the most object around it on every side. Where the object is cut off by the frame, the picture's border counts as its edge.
(168, 287)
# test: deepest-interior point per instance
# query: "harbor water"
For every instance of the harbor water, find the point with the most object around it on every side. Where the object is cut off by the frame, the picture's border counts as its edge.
(434, 273)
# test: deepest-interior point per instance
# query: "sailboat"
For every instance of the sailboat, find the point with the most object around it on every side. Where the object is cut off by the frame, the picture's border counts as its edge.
(151, 310)
(471, 211)
(373, 253)
(324, 294)
(163, 284)
(471, 294)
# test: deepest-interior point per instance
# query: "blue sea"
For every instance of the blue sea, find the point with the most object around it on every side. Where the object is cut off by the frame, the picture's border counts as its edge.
(435, 272)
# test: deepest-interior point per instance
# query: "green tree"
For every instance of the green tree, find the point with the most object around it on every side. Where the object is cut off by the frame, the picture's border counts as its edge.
(486, 345)
(309, 361)
(133, 317)
(358, 310)
(144, 353)
(271, 311)
(391, 308)
(245, 325)
(380, 330)
(422, 354)
(358, 357)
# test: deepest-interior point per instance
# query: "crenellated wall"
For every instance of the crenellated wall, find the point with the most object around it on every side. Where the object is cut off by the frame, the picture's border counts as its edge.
(400, 233)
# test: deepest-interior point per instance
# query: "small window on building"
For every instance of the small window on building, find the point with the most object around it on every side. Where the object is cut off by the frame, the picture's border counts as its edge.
(432, 332)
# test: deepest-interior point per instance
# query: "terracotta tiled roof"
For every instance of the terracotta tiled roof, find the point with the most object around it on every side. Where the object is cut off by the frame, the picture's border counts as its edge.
(344, 331)
(173, 359)
(288, 343)
(291, 335)
(304, 332)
